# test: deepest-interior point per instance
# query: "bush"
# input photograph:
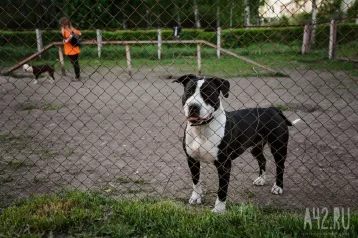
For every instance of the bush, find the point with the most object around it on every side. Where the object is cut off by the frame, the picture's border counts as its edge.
(231, 38)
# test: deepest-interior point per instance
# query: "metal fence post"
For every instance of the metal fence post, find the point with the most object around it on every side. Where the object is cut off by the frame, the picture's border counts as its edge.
(99, 42)
(199, 58)
(218, 42)
(159, 44)
(332, 39)
(306, 39)
(128, 57)
(39, 39)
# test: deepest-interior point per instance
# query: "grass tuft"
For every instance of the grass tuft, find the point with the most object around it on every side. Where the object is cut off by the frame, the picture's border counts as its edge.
(29, 107)
(95, 215)
(49, 107)
(283, 107)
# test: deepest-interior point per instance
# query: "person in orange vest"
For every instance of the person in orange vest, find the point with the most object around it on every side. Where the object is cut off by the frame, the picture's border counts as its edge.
(71, 48)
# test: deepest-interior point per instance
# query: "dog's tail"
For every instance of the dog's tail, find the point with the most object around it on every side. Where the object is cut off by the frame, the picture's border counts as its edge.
(288, 122)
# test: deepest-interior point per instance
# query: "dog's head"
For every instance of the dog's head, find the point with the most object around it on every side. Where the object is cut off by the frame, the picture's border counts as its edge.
(201, 96)
(27, 68)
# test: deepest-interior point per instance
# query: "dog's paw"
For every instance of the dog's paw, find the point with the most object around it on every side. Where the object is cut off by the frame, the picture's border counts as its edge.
(35, 82)
(195, 198)
(219, 206)
(276, 189)
(260, 181)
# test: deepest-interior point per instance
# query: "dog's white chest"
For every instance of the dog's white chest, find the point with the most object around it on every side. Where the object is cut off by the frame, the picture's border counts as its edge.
(202, 141)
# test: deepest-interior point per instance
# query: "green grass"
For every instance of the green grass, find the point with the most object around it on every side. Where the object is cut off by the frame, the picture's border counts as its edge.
(16, 164)
(283, 107)
(3, 137)
(48, 107)
(94, 215)
(278, 56)
(29, 107)
(48, 154)
(130, 180)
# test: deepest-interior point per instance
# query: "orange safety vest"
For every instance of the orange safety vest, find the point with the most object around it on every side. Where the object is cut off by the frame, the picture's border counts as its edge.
(70, 49)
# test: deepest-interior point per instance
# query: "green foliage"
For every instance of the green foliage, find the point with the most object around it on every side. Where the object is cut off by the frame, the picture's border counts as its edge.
(328, 10)
(131, 14)
(353, 10)
(231, 38)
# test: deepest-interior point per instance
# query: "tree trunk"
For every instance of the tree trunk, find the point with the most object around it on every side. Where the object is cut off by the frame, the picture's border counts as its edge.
(178, 13)
(218, 13)
(231, 11)
(313, 22)
(196, 15)
(147, 16)
(247, 13)
(125, 21)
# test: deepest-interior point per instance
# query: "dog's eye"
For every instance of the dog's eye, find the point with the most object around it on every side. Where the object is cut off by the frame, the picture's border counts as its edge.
(207, 92)
(191, 89)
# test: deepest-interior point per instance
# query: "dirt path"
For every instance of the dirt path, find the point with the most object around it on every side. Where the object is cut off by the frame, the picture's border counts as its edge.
(123, 136)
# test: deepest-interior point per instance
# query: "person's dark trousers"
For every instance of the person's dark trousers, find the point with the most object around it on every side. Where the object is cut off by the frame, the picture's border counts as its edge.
(75, 63)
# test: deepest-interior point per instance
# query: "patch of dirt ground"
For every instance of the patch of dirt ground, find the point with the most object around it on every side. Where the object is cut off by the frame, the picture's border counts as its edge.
(122, 135)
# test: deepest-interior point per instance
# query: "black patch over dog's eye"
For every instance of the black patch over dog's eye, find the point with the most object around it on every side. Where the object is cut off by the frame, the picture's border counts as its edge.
(191, 89)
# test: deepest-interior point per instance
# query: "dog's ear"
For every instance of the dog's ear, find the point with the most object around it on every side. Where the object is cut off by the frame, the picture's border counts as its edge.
(185, 79)
(223, 85)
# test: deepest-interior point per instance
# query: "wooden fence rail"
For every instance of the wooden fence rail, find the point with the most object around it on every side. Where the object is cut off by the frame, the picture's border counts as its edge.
(128, 56)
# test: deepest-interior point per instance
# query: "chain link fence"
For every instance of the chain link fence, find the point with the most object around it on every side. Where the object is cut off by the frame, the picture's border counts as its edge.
(119, 129)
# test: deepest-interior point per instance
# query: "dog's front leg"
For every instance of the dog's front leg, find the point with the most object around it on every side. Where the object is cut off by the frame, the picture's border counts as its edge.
(224, 179)
(197, 193)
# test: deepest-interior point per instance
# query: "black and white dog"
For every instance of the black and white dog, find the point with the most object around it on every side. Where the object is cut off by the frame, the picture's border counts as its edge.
(213, 135)
(38, 70)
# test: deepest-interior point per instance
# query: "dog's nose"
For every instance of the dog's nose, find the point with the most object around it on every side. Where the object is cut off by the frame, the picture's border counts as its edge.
(194, 109)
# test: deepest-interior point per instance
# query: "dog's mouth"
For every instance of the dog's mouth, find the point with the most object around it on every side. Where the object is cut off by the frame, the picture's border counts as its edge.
(196, 120)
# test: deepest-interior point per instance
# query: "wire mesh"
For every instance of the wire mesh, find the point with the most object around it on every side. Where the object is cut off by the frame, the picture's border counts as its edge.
(119, 128)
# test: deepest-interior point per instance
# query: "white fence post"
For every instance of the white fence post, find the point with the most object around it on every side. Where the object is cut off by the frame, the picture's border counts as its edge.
(128, 56)
(39, 39)
(159, 44)
(306, 39)
(99, 42)
(218, 42)
(332, 39)
(199, 58)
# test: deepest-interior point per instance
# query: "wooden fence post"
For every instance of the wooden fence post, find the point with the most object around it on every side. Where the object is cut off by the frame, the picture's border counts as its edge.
(39, 39)
(199, 58)
(332, 39)
(159, 44)
(128, 57)
(306, 39)
(99, 42)
(218, 42)
(62, 63)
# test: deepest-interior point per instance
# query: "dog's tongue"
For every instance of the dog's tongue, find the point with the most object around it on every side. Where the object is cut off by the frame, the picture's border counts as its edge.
(193, 118)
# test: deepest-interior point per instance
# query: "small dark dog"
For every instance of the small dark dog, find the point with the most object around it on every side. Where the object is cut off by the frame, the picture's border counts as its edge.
(38, 70)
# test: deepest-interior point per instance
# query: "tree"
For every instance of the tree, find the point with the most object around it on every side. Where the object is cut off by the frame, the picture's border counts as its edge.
(313, 22)
(247, 13)
(196, 15)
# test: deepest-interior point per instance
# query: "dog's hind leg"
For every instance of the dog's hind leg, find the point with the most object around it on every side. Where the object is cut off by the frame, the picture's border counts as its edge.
(279, 152)
(52, 80)
(197, 193)
(258, 153)
(35, 79)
